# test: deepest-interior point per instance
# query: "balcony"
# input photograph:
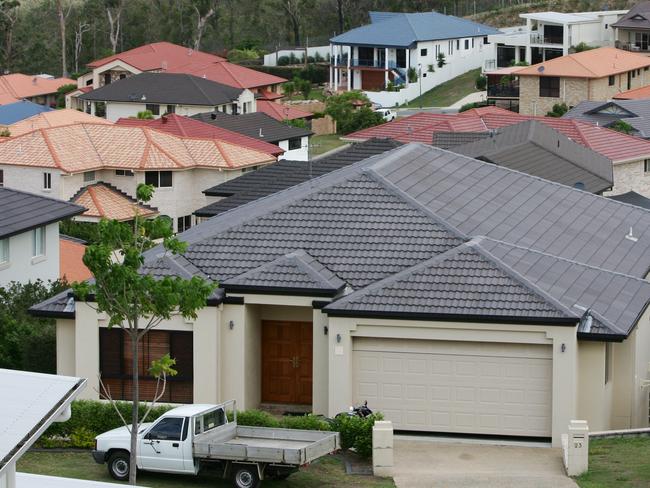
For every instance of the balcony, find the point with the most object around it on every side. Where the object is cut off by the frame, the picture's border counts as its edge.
(504, 90)
(539, 38)
(637, 47)
(364, 63)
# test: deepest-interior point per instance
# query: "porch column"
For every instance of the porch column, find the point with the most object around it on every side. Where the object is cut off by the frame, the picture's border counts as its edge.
(517, 54)
(331, 80)
(349, 74)
(408, 65)
(92, 108)
(566, 39)
(386, 66)
(233, 354)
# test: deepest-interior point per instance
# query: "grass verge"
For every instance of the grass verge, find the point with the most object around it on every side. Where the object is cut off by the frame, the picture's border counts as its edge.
(622, 462)
(322, 144)
(328, 472)
(449, 92)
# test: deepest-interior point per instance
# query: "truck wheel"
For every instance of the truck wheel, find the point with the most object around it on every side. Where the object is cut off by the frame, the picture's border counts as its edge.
(118, 465)
(245, 477)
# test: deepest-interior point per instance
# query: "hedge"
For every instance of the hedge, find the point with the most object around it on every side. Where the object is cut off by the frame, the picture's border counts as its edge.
(316, 73)
(91, 418)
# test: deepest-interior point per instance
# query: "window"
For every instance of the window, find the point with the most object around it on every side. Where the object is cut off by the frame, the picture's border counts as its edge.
(154, 108)
(466, 44)
(209, 421)
(472, 42)
(608, 362)
(612, 80)
(159, 179)
(184, 223)
(633, 74)
(122, 76)
(4, 250)
(168, 429)
(450, 47)
(485, 40)
(89, 176)
(38, 242)
(250, 168)
(2, 178)
(645, 69)
(171, 109)
(423, 52)
(457, 44)
(235, 109)
(295, 143)
(107, 78)
(115, 363)
(47, 181)
(123, 172)
(646, 166)
(549, 86)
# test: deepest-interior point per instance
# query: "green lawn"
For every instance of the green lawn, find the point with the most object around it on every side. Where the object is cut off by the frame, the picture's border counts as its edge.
(448, 92)
(624, 463)
(322, 144)
(329, 472)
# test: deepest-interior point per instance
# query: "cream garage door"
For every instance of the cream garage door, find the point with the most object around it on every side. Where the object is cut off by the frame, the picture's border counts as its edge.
(461, 387)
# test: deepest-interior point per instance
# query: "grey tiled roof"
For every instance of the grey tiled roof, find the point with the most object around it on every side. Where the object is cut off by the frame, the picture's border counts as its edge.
(633, 198)
(638, 17)
(21, 211)
(293, 271)
(284, 174)
(539, 150)
(162, 88)
(462, 282)
(60, 305)
(541, 249)
(447, 140)
(634, 112)
(257, 125)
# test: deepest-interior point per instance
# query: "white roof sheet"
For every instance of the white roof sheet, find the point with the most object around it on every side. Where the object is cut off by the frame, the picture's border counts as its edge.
(560, 17)
(27, 400)
(24, 480)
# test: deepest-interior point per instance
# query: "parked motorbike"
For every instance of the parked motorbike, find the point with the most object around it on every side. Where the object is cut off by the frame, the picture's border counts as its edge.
(362, 411)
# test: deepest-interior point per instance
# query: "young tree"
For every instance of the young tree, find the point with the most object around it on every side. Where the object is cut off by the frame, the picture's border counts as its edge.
(134, 301)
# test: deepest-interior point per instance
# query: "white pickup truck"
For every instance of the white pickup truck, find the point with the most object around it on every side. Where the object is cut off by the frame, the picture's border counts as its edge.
(190, 438)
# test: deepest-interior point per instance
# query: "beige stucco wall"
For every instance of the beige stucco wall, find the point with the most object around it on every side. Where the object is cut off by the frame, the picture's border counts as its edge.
(65, 347)
(574, 91)
(594, 396)
(630, 176)
(565, 365)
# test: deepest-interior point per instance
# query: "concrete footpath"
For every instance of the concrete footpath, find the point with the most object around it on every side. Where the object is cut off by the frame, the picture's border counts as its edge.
(433, 464)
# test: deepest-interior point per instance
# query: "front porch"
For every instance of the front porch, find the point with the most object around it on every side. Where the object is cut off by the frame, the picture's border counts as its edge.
(634, 40)
(367, 68)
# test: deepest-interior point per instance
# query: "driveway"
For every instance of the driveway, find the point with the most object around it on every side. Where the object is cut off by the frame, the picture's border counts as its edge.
(433, 464)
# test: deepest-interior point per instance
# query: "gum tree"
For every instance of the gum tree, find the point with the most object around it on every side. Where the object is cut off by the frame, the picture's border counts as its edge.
(134, 301)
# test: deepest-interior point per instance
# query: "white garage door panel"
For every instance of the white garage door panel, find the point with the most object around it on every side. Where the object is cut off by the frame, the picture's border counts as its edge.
(502, 389)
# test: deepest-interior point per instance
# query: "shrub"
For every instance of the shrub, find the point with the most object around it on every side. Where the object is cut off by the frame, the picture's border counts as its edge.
(582, 46)
(356, 432)
(5, 133)
(430, 68)
(304, 422)
(239, 55)
(481, 82)
(316, 73)
(412, 75)
(442, 60)
(145, 114)
(255, 418)
(61, 93)
(469, 106)
(318, 58)
(89, 419)
(621, 126)
(559, 109)
(283, 60)
(300, 123)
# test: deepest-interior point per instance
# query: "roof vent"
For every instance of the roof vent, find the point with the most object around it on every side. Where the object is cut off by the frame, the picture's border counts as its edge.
(163, 65)
(579, 185)
(190, 51)
(204, 76)
(35, 80)
(586, 321)
(540, 69)
(261, 135)
(164, 119)
(143, 97)
(630, 236)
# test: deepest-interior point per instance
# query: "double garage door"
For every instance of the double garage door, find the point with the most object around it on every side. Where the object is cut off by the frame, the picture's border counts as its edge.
(456, 387)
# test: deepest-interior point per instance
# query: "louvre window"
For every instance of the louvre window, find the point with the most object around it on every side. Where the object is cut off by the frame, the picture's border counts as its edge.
(549, 86)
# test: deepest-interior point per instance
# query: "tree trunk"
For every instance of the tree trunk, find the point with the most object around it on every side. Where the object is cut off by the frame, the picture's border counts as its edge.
(134, 406)
(115, 22)
(201, 22)
(62, 18)
(339, 8)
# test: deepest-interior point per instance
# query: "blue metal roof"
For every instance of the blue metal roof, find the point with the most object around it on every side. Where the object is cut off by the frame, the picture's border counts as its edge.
(17, 111)
(392, 29)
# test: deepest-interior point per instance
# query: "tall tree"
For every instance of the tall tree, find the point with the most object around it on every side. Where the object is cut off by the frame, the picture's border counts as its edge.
(80, 30)
(114, 13)
(135, 301)
(62, 14)
(205, 10)
(8, 18)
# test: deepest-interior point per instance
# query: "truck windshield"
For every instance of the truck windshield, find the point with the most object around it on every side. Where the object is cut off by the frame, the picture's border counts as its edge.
(209, 421)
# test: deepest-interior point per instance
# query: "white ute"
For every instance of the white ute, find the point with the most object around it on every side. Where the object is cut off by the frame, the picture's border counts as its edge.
(190, 438)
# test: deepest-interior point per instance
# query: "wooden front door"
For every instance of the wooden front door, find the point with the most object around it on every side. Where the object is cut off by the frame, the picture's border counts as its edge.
(286, 362)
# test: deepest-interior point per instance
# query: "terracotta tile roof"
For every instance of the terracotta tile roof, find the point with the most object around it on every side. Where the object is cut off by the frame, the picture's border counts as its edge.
(71, 265)
(642, 93)
(229, 74)
(6, 99)
(185, 126)
(281, 112)
(159, 56)
(269, 95)
(594, 63)
(18, 85)
(420, 127)
(54, 118)
(104, 201)
(84, 147)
